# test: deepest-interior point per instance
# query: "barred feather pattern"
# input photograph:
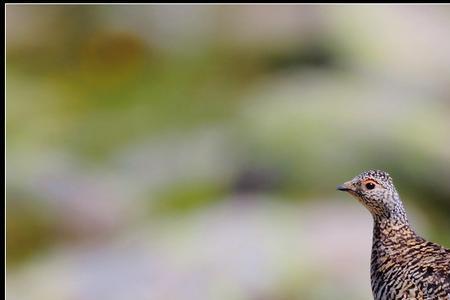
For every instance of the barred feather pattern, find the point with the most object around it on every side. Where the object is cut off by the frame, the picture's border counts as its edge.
(403, 264)
(406, 266)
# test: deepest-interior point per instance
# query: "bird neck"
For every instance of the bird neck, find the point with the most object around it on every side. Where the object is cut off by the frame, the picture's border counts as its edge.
(389, 223)
(392, 221)
(391, 232)
(391, 213)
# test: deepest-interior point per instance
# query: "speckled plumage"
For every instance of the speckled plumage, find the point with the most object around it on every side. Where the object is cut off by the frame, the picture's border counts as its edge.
(403, 265)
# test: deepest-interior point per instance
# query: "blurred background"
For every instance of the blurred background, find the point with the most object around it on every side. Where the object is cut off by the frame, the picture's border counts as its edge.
(192, 152)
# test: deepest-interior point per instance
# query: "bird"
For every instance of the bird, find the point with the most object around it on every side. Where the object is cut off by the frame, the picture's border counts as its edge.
(403, 264)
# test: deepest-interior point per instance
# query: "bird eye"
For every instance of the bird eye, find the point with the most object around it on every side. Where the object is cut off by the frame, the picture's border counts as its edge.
(370, 185)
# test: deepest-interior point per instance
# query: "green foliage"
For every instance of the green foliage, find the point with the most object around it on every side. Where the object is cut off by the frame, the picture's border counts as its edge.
(30, 228)
(184, 197)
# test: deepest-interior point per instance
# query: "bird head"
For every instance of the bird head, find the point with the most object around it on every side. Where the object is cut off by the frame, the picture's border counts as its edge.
(376, 191)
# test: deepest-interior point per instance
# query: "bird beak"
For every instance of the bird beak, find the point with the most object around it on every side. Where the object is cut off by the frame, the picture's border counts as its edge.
(346, 186)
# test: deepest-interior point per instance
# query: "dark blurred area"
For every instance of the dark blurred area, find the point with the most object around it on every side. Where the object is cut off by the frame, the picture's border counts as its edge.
(192, 152)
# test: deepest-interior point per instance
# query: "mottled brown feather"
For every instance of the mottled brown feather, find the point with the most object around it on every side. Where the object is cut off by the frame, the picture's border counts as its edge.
(403, 264)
